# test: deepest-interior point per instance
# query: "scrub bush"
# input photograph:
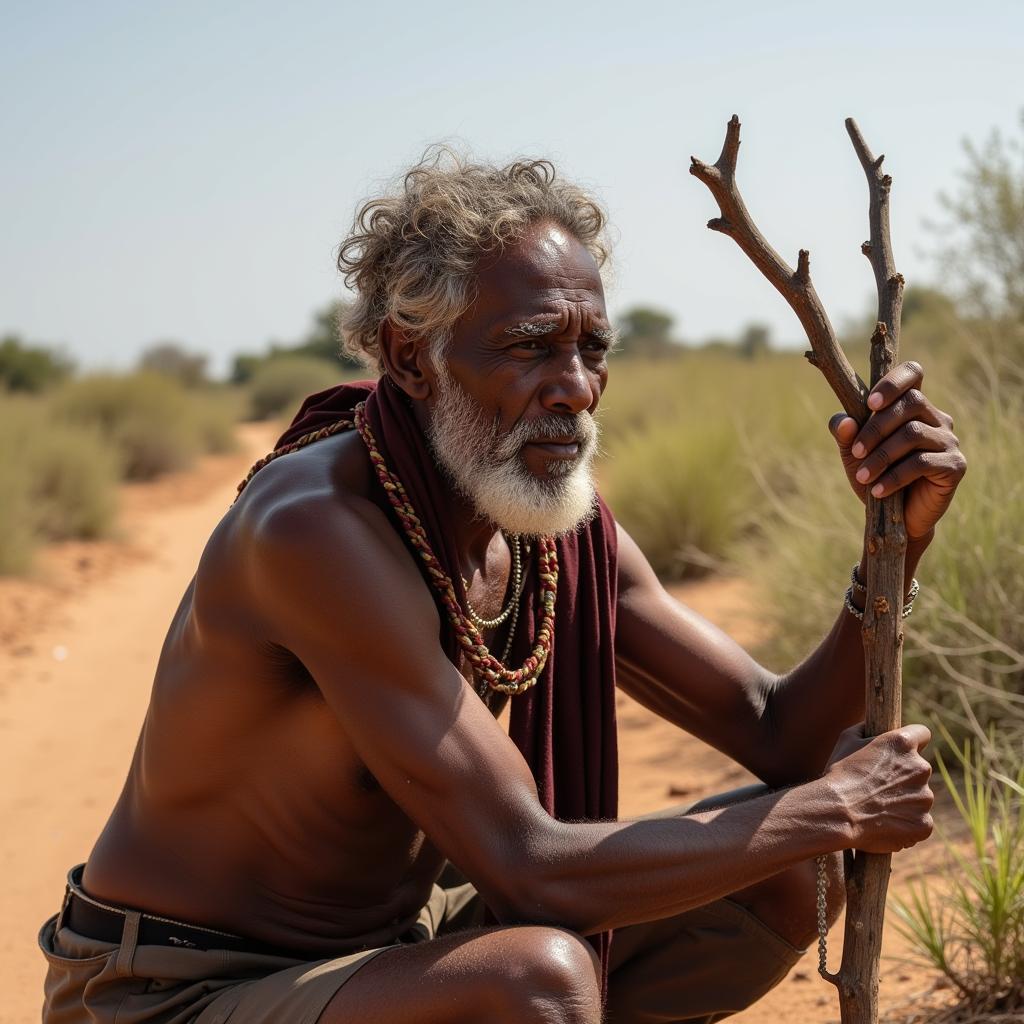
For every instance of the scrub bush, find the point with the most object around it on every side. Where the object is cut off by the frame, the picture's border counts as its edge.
(683, 499)
(17, 534)
(59, 482)
(30, 368)
(217, 412)
(151, 422)
(964, 649)
(710, 459)
(69, 449)
(686, 438)
(279, 384)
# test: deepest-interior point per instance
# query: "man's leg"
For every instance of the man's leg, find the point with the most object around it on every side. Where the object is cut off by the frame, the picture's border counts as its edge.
(705, 964)
(523, 974)
(787, 902)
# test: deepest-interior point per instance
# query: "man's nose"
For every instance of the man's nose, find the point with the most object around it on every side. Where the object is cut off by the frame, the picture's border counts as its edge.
(570, 389)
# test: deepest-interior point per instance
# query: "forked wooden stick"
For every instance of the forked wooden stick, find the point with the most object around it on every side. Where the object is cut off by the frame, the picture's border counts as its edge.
(885, 538)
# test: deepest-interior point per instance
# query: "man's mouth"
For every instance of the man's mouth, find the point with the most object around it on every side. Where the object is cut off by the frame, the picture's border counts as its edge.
(557, 448)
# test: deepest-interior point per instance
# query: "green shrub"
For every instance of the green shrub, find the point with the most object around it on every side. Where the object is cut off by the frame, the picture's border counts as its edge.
(17, 533)
(279, 384)
(59, 484)
(713, 458)
(30, 368)
(73, 486)
(964, 650)
(69, 450)
(143, 416)
(151, 422)
(170, 359)
(217, 412)
(683, 498)
(687, 438)
(973, 931)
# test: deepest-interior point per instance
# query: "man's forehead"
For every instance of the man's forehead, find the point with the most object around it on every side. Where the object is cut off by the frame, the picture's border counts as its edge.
(538, 275)
(545, 251)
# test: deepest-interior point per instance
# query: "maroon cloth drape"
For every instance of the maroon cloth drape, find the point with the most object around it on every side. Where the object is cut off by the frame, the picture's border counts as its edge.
(564, 725)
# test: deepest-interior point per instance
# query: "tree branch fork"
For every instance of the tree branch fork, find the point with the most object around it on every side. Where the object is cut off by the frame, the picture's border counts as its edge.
(885, 535)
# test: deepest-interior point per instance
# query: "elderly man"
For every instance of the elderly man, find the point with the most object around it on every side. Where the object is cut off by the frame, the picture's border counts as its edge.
(324, 820)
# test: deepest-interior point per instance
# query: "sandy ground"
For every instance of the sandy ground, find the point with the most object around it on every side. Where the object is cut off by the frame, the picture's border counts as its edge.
(78, 646)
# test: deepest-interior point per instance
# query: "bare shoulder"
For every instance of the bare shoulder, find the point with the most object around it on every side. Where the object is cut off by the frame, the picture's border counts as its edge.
(307, 527)
(335, 471)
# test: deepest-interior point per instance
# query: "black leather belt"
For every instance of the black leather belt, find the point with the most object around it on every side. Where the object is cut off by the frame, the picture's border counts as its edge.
(97, 921)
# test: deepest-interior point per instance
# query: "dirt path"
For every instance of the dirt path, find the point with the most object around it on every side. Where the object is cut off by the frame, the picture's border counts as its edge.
(77, 654)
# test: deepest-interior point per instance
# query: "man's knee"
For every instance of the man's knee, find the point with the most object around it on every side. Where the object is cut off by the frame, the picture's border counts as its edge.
(788, 902)
(550, 974)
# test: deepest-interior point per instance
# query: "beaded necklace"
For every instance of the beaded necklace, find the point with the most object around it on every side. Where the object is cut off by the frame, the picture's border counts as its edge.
(512, 609)
(517, 582)
(491, 672)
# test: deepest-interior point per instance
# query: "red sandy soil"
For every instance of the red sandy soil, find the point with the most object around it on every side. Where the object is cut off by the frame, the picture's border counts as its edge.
(78, 646)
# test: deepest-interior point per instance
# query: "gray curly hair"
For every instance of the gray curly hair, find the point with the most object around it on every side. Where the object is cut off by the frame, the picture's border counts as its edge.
(412, 254)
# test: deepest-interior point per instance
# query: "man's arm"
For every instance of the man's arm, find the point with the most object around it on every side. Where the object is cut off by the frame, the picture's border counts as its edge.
(675, 662)
(344, 596)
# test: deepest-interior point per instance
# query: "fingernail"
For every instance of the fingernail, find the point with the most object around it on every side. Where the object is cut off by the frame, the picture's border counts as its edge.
(875, 400)
(859, 450)
(877, 490)
(862, 475)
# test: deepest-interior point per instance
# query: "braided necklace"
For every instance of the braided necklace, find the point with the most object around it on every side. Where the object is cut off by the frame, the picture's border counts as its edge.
(491, 672)
(485, 666)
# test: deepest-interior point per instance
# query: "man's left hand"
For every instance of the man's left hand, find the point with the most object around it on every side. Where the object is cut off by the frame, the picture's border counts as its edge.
(907, 444)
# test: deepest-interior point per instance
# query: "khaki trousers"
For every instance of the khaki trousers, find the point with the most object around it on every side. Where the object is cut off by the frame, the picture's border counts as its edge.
(699, 966)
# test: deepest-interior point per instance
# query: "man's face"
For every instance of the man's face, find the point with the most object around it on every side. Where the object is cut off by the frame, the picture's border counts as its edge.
(510, 416)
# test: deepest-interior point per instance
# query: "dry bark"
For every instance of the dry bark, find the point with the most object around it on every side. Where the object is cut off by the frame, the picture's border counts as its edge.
(885, 538)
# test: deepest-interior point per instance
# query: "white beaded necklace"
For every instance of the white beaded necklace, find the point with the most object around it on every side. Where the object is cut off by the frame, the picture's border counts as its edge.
(512, 608)
(517, 580)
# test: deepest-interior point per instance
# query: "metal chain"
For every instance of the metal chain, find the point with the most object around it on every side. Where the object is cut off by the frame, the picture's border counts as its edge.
(822, 888)
(483, 687)
(514, 609)
(517, 581)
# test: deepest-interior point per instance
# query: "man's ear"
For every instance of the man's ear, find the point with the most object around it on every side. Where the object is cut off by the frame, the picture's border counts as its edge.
(406, 361)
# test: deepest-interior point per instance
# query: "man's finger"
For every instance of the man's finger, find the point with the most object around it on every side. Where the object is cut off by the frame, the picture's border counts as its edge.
(913, 436)
(943, 467)
(843, 428)
(911, 405)
(897, 381)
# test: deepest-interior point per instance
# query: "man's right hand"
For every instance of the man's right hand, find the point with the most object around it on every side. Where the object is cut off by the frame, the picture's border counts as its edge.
(882, 784)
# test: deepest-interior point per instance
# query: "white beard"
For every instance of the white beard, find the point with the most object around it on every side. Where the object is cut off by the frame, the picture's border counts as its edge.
(488, 470)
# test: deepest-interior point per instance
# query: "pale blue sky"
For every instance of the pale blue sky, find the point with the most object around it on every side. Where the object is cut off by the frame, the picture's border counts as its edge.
(184, 170)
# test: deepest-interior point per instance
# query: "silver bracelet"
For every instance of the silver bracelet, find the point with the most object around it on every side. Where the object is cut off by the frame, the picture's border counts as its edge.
(861, 588)
(915, 589)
